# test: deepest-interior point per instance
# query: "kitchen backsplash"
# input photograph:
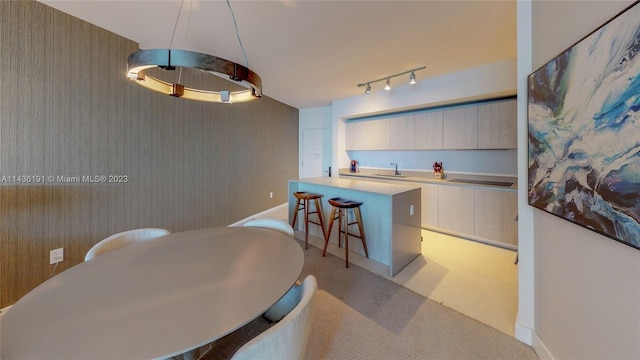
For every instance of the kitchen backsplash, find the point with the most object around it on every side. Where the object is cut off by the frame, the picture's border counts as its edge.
(490, 162)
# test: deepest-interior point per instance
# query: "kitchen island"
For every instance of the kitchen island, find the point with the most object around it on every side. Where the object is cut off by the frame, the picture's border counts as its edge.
(390, 214)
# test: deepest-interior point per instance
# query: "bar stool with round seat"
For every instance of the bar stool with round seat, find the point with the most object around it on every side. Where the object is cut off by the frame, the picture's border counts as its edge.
(304, 198)
(340, 210)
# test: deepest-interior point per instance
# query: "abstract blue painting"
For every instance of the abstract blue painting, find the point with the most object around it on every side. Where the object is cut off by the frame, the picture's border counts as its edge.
(584, 131)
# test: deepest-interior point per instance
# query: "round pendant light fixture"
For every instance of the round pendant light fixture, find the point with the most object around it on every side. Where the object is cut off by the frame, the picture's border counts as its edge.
(170, 59)
(141, 61)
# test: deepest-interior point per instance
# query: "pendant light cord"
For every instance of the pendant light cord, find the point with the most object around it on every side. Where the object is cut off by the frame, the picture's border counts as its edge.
(233, 16)
(235, 25)
(175, 26)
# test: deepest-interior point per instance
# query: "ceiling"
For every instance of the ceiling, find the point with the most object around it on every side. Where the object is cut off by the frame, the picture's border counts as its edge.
(310, 53)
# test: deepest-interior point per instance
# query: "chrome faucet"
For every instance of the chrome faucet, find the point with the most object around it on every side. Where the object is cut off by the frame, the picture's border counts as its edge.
(397, 172)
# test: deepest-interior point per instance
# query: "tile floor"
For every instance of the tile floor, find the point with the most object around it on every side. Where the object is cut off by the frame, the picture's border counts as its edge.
(475, 279)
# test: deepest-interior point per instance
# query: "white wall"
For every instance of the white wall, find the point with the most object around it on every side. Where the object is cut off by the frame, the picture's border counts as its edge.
(525, 322)
(315, 118)
(482, 82)
(587, 286)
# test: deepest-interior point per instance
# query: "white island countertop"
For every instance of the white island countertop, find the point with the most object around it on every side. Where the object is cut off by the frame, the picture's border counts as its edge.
(359, 185)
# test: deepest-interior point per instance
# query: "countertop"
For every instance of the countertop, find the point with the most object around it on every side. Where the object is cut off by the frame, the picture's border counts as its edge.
(470, 180)
(358, 185)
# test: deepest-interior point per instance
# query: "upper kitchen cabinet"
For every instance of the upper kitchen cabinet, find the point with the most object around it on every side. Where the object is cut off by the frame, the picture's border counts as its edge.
(427, 133)
(460, 128)
(401, 132)
(486, 125)
(497, 125)
(367, 135)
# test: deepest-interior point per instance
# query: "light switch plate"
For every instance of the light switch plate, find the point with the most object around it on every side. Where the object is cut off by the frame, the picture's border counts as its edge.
(56, 256)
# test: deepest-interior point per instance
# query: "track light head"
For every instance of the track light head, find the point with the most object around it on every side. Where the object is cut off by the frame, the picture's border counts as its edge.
(412, 78)
(367, 90)
(388, 86)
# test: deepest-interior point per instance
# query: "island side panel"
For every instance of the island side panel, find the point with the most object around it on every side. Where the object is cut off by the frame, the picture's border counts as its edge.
(407, 232)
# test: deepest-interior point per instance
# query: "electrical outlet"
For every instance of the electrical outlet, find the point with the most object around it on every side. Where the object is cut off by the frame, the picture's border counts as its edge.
(56, 256)
(411, 210)
(271, 195)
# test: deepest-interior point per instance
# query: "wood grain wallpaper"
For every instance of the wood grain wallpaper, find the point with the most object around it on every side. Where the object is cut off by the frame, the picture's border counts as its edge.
(68, 116)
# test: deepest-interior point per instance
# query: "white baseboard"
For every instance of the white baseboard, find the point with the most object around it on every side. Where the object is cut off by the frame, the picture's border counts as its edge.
(524, 333)
(528, 336)
(278, 212)
(541, 349)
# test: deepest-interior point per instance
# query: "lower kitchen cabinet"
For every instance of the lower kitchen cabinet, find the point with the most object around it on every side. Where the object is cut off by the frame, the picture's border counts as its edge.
(495, 215)
(476, 213)
(479, 214)
(456, 208)
(429, 204)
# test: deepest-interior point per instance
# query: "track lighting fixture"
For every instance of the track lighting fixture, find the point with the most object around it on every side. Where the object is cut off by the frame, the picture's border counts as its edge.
(412, 79)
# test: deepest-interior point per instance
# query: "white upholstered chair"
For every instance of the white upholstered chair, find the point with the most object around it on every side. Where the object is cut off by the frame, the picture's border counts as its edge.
(122, 239)
(288, 338)
(274, 224)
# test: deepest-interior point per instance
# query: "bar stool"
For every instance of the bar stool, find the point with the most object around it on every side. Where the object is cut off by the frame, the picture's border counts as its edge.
(303, 204)
(340, 211)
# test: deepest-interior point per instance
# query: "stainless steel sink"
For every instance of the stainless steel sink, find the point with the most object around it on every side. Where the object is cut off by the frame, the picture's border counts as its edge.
(482, 182)
(391, 175)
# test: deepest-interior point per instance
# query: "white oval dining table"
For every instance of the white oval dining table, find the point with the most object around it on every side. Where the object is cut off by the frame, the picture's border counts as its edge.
(154, 299)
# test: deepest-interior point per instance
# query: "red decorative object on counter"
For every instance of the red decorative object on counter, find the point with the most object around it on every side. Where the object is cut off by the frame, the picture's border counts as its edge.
(438, 170)
(354, 166)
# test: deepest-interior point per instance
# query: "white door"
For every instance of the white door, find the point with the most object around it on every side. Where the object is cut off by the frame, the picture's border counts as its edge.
(316, 153)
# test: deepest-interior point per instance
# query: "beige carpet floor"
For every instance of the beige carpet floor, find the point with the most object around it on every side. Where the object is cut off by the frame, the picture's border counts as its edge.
(360, 315)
